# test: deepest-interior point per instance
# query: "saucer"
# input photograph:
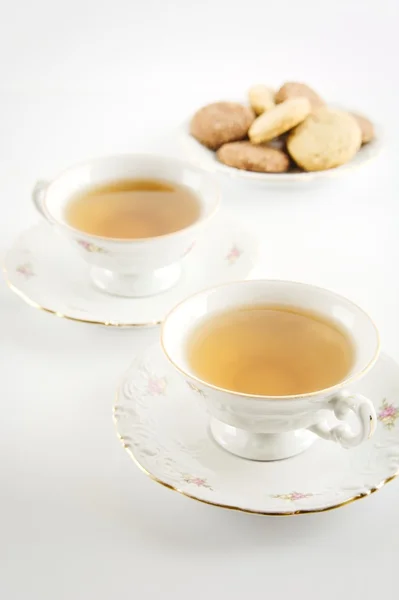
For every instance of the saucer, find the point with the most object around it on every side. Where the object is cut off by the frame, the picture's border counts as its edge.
(45, 272)
(201, 157)
(163, 424)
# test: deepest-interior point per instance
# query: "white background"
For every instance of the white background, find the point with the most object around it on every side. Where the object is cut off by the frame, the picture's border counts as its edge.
(86, 78)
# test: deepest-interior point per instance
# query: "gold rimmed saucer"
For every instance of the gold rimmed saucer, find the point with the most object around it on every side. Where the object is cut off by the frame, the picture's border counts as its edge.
(42, 269)
(163, 424)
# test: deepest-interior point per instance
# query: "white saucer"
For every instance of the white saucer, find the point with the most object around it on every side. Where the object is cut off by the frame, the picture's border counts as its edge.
(200, 156)
(163, 424)
(42, 268)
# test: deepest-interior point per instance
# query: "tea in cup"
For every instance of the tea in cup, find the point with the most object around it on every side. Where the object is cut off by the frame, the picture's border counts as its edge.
(132, 218)
(273, 360)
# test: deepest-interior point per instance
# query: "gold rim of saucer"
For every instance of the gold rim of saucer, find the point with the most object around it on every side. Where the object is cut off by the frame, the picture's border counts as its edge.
(35, 304)
(292, 513)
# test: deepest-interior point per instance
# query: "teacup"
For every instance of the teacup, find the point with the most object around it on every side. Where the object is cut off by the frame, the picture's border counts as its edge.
(276, 427)
(134, 268)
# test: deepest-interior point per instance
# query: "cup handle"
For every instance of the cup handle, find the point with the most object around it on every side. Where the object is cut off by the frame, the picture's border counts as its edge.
(341, 404)
(38, 193)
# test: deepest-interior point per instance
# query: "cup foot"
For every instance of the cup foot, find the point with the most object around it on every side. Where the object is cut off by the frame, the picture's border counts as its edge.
(137, 285)
(260, 446)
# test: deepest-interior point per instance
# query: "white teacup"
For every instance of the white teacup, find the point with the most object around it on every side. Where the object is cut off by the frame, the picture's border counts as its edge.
(122, 267)
(266, 427)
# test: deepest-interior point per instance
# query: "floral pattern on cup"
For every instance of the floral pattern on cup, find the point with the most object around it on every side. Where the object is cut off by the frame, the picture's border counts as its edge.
(196, 389)
(198, 481)
(26, 270)
(388, 413)
(90, 247)
(233, 255)
(188, 250)
(292, 496)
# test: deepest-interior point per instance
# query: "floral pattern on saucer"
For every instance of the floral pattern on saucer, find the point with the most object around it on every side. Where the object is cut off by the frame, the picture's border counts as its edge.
(43, 269)
(388, 413)
(156, 386)
(26, 270)
(292, 496)
(169, 438)
(198, 481)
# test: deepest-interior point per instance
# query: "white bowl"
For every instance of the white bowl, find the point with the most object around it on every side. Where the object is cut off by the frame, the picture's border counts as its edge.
(206, 159)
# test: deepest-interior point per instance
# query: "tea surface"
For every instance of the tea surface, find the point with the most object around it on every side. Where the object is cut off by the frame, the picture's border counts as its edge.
(133, 208)
(270, 350)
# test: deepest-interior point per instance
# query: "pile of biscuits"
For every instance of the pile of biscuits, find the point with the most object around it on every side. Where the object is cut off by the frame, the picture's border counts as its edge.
(281, 131)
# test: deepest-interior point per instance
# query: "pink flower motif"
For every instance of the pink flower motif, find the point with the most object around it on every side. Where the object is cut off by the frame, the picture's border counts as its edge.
(26, 270)
(388, 414)
(233, 255)
(299, 496)
(198, 481)
(156, 386)
(389, 411)
(188, 250)
(89, 247)
(293, 496)
(196, 389)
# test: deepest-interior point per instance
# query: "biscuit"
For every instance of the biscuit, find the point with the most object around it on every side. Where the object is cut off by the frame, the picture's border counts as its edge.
(294, 90)
(261, 98)
(279, 119)
(221, 122)
(244, 155)
(366, 127)
(326, 139)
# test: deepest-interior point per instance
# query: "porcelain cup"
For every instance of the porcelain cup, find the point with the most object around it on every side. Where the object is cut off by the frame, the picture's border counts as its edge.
(137, 267)
(267, 427)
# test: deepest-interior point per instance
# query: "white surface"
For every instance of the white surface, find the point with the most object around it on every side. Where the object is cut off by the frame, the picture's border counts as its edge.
(81, 79)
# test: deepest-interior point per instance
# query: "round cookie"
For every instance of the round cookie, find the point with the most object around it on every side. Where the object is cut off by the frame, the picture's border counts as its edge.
(295, 90)
(261, 98)
(366, 127)
(328, 138)
(246, 156)
(221, 122)
(279, 119)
